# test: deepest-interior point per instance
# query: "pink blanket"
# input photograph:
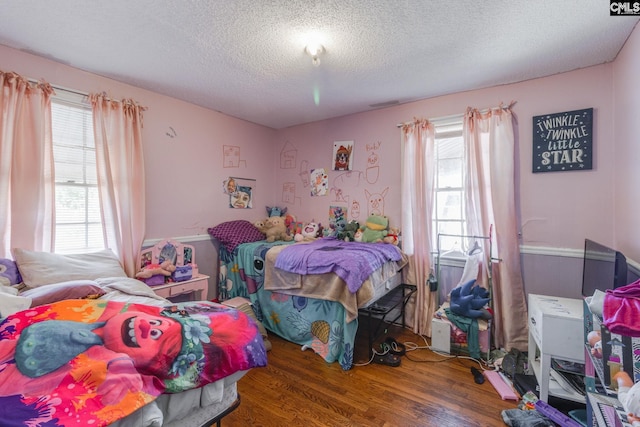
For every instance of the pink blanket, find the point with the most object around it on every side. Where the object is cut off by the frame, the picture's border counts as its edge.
(621, 310)
(92, 362)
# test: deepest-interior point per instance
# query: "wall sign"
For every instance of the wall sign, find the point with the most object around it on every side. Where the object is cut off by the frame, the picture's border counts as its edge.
(563, 141)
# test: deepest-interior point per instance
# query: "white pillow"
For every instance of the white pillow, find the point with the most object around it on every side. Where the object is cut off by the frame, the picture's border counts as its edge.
(44, 268)
(10, 303)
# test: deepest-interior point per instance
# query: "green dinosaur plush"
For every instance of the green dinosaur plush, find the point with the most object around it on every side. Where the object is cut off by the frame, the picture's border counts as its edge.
(375, 229)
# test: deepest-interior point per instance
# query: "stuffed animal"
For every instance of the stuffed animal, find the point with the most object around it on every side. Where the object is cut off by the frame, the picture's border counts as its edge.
(595, 342)
(260, 225)
(276, 230)
(349, 231)
(392, 236)
(311, 231)
(469, 301)
(164, 269)
(276, 211)
(337, 224)
(9, 274)
(629, 396)
(375, 228)
(357, 237)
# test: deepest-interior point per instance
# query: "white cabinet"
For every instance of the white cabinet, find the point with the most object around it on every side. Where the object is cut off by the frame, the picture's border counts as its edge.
(555, 331)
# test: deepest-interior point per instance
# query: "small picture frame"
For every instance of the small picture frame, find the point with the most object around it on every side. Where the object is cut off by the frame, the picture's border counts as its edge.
(342, 155)
(240, 191)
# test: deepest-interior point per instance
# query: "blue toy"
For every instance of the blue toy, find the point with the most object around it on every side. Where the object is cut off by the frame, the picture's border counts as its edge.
(276, 211)
(469, 301)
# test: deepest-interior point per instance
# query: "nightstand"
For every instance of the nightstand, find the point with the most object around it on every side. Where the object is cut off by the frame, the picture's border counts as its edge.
(199, 286)
(555, 331)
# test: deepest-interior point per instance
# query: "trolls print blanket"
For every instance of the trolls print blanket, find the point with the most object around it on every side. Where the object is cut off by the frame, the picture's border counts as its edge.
(92, 362)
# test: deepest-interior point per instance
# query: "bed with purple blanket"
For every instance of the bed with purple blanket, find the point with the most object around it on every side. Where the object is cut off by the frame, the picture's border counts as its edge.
(310, 292)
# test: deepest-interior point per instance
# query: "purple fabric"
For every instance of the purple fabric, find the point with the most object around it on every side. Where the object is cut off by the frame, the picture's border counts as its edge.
(621, 310)
(353, 262)
(232, 233)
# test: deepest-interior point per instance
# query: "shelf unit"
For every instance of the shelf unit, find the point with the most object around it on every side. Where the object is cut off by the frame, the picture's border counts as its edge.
(603, 407)
(555, 331)
(392, 303)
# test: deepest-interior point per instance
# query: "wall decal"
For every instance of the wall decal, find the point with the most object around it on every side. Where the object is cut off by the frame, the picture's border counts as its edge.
(171, 133)
(342, 155)
(373, 169)
(289, 193)
(304, 173)
(348, 179)
(231, 157)
(375, 202)
(563, 141)
(339, 195)
(355, 210)
(288, 156)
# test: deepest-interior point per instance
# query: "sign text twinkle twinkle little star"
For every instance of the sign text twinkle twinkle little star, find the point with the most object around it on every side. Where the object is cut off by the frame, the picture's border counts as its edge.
(563, 141)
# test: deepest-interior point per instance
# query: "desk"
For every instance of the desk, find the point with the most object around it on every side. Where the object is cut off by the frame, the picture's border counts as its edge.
(555, 331)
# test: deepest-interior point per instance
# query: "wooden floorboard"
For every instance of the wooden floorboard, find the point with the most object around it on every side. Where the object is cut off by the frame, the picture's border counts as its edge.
(298, 388)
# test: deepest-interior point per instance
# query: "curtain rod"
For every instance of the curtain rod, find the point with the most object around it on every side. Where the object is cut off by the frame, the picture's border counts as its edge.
(455, 116)
(77, 92)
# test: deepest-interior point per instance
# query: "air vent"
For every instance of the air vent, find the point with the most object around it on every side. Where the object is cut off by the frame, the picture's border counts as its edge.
(384, 104)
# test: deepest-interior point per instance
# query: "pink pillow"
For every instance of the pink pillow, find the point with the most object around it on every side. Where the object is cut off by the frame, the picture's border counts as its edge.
(232, 233)
(75, 289)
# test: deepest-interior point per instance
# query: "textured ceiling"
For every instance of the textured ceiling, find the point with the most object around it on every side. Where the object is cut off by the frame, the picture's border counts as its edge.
(246, 58)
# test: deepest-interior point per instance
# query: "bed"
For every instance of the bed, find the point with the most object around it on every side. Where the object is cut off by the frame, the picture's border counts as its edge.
(318, 311)
(198, 350)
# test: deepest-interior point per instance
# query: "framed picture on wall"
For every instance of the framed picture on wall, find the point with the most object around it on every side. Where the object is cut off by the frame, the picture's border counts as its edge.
(342, 155)
(563, 141)
(240, 191)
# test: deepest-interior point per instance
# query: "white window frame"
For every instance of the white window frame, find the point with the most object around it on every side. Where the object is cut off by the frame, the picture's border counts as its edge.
(445, 228)
(87, 235)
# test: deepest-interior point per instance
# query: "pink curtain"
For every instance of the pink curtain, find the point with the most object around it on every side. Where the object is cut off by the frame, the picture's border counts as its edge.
(490, 189)
(121, 179)
(418, 172)
(27, 187)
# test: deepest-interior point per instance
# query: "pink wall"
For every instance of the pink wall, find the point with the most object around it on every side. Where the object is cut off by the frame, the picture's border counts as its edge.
(185, 170)
(626, 96)
(558, 209)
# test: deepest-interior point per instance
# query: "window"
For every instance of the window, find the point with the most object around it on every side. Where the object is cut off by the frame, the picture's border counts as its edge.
(449, 208)
(78, 217)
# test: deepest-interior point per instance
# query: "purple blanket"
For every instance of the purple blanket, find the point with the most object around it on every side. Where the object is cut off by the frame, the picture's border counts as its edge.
(353, 262)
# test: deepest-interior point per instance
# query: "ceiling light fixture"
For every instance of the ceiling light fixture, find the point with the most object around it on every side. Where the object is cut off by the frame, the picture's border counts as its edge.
(314, 50)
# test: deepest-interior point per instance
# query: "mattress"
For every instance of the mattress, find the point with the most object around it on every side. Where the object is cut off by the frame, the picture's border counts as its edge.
(188, 408)
(383, 280)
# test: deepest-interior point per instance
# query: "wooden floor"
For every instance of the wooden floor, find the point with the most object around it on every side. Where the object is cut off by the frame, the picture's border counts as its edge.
(298, 388)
